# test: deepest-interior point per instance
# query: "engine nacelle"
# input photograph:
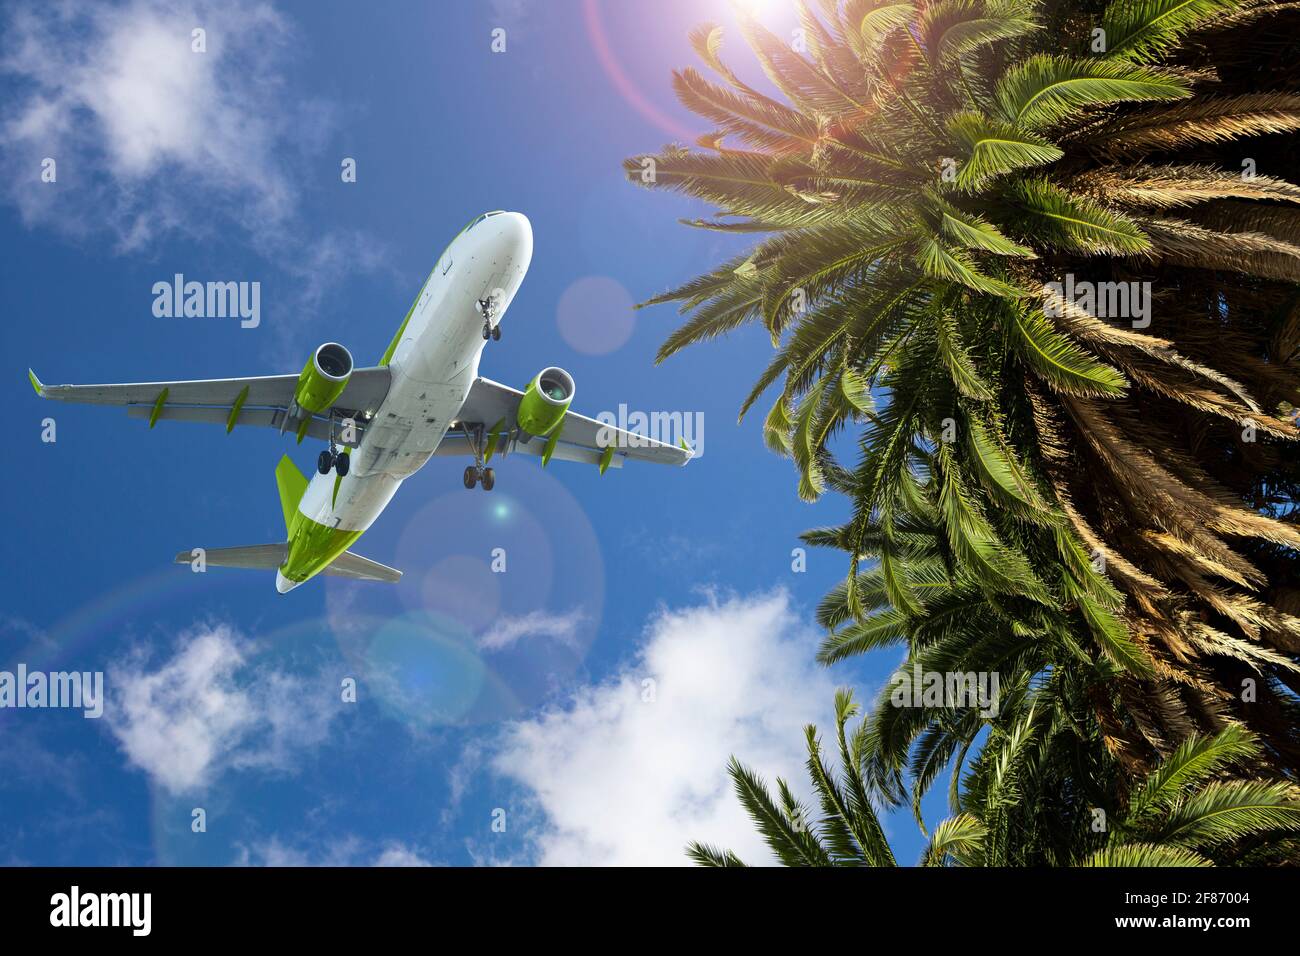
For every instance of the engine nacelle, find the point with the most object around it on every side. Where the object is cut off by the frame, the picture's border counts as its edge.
(323, 378)
(545, 401)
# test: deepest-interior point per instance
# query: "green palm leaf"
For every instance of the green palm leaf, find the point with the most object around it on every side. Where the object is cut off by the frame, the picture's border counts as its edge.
(1044, 90)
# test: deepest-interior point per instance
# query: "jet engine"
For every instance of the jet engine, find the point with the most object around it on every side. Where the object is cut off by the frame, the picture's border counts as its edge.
(545, 401)
(323, 378)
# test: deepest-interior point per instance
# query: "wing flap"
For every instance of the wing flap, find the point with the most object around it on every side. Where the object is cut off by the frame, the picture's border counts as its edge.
(318, 428)
(454, 444)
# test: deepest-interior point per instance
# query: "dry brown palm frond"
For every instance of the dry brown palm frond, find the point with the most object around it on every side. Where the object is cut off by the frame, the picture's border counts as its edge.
(1202, 120)
(1171, 544)
(1156, 494)
(1168, 187)
(1286, 341)
(1249, 252)
(1248, 14)
(1084, 325)
(1230, 215)
(1116, 562)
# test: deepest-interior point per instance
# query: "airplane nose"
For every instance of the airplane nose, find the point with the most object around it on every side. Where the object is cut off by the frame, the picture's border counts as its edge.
(518, 232)
(283, 584)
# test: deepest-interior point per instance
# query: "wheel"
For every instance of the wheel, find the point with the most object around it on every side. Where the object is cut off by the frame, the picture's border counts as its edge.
(496, 333)
(487, 331)
(324, 462)
(489, 479)
(471, 476)
(341, 463)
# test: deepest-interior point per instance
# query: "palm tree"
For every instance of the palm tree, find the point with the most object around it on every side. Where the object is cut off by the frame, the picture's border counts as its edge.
(1186, 812)
(1040, 484)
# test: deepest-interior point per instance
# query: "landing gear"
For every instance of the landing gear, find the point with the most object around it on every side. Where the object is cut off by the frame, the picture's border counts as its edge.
(488, 309)
(477, 473)
(332, 457)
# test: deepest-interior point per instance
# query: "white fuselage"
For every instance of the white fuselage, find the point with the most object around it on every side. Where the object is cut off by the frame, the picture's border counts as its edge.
(435, 363)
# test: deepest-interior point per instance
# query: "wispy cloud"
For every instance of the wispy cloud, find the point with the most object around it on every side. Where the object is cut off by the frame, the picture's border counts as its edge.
(154, 140)
(142, 124)
(506, 631)
(630, 770)
(348, 851)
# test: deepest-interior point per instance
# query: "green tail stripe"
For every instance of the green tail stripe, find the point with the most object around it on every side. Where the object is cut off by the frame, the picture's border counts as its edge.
(292, 483)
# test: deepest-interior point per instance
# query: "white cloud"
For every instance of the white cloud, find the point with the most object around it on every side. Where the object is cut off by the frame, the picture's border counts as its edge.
(508, 630)
(155, 141)
(207, 710)
(143, 128)
(623, 781)
(350, 851)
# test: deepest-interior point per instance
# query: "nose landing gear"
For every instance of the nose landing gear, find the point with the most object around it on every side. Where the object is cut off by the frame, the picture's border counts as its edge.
(488, 309)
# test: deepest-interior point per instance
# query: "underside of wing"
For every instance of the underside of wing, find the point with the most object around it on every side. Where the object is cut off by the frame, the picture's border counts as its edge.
(494, 408)
(267, 400)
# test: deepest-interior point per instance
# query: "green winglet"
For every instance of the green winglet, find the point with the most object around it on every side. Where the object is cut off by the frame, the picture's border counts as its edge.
(302, 429)
(550, 446)
(605, 458)
(493, 438)
(157, 408)
(234, 411)
(36, 383)
(685, 447)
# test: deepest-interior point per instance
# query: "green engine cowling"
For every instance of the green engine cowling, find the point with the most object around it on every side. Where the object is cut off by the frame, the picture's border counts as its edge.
(323, 378)
(545, 401)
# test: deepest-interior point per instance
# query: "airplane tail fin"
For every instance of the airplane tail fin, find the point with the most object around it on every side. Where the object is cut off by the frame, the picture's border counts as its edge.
(292, 483)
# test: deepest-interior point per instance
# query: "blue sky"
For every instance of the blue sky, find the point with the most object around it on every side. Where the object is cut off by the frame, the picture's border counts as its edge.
(516, 697)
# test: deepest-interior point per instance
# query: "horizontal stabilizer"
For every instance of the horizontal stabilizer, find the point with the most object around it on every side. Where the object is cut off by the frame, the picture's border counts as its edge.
(350, 565)
(265, 556)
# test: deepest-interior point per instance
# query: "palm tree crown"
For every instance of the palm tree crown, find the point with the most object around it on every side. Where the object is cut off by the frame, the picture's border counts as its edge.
(1090, 492)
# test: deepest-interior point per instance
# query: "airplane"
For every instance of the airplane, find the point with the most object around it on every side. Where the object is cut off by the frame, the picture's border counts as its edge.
(424, 398)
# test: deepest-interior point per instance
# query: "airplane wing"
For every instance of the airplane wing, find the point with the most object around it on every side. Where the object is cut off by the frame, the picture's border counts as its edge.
(266, 400)
(494, 407)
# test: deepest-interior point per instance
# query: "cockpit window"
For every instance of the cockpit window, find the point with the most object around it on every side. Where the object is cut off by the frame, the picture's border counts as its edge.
(486, 215)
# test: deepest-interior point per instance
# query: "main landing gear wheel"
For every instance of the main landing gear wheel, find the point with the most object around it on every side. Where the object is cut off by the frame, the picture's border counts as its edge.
(324, 462)
(496, 333)
(489, 479)
(341, 464)
(471, 476)
(487, 332)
